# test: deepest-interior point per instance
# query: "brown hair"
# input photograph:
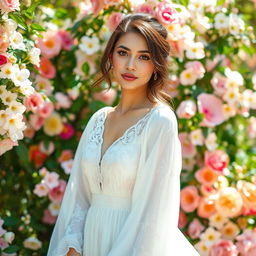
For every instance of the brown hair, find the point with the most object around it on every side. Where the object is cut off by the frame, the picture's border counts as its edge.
(155, 35)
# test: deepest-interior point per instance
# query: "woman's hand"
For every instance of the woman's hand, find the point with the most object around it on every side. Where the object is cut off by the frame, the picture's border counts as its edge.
(73, 252)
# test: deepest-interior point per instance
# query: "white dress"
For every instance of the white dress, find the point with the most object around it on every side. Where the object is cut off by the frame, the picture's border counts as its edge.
(127, 203)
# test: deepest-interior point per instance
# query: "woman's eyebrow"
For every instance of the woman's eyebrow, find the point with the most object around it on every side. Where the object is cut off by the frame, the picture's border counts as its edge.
(126, 48)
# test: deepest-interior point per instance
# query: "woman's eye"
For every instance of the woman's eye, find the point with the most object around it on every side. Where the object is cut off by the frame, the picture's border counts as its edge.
(122, 53)
(145, 57)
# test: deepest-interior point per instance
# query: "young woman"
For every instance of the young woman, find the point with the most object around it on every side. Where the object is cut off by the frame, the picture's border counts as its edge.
(123, 194)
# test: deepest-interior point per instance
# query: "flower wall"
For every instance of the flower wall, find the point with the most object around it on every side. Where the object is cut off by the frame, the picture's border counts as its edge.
(49, 58)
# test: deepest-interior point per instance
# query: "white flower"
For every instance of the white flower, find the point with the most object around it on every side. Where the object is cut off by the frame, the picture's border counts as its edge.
(20, 76)
(202, 248)
(235, 79)
(2, 90)
(51, 179)
(196, 5)
(3, 116)
(89, 45)
(236, 24)
(188, 76)
(195, 51)
(228, 111)
(210, 141)
(16, 41)
(221, 21)
(27, 89)
(32, 243)
(7, 97)
(231, 96)
(217, 220)
(210, 236)
(67, 166)
(15, 107)
(9, 236)
(10, 26)
(197, 137)
(7, 71)
(14, 125)
(201, 23)
(34, 56)
(54, 208)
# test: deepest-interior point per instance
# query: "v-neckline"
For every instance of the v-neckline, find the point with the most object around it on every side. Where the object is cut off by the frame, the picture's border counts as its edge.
(105, 115)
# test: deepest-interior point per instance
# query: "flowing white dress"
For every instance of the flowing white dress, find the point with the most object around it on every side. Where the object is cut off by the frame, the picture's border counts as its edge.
(127, 202)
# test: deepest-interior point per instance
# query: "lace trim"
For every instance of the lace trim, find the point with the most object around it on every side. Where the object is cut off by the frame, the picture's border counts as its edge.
(127, 137)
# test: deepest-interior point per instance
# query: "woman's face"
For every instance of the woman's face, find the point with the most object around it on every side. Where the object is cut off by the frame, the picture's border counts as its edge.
(131, 57)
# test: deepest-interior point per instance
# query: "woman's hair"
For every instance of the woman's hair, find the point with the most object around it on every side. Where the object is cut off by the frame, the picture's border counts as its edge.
(155, 35)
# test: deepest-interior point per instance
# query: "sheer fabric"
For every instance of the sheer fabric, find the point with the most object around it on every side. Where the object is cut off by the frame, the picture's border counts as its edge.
(127, 203)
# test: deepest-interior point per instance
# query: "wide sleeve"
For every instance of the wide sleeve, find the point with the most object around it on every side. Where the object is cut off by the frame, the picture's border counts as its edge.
(68, 229)
(151, 228)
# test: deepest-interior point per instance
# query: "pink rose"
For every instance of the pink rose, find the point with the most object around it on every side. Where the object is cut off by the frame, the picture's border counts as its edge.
(186, 109)
(223, 248)
(6, 145)
(188, 149)
(212, 108)
(3, 59)
(3, 243)
(48, 218)
(189, 198)
(9, 5)
(34, 102)
(36, 121)
(63, 101)
(113, 21)
(182, 220)
(218, 82)
(41, 190)
(56, 194)
(177, 47)
(166, 13)
(252, 127)
(218, 160)
(106, 96)
(68, 132)
(67, 40)
(145, 8)
(246, 242)
(195, 228)
(97, 6)
(46, 110)
(46, 68)
(50, 44)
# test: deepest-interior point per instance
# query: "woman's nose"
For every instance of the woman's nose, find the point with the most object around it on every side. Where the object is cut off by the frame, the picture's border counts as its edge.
(131, 64)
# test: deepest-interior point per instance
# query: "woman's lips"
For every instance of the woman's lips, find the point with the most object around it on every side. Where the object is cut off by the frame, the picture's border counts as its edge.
(128, 78)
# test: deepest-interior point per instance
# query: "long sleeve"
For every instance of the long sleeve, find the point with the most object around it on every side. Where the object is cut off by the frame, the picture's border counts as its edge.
(68, 230)
(151, 228)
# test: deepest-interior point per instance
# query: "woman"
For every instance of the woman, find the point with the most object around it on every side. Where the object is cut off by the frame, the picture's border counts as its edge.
(122, 198)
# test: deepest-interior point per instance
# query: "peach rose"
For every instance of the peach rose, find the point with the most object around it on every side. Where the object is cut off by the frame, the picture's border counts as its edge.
(229, 202)
(56, 194)
(46, 110)
(50, 44)
(248, 192)
(97, 6)
(34, 102)
(206, 207)
(6, 145)
(207, 176)
(182, 219)
(46, 68)
(189, 198)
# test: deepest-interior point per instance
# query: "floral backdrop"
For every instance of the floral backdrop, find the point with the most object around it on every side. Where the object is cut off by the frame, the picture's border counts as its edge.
(49, 57)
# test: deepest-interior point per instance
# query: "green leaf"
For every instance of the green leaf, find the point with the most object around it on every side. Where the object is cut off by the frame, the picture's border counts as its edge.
(220, 2)
(19, 19)
(86, 68)
(11, 249)
(184, 2)
(22, 152)
(37, 27)
(11, 221)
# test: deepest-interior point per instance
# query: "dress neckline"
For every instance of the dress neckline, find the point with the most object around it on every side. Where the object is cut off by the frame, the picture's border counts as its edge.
(105, 115)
